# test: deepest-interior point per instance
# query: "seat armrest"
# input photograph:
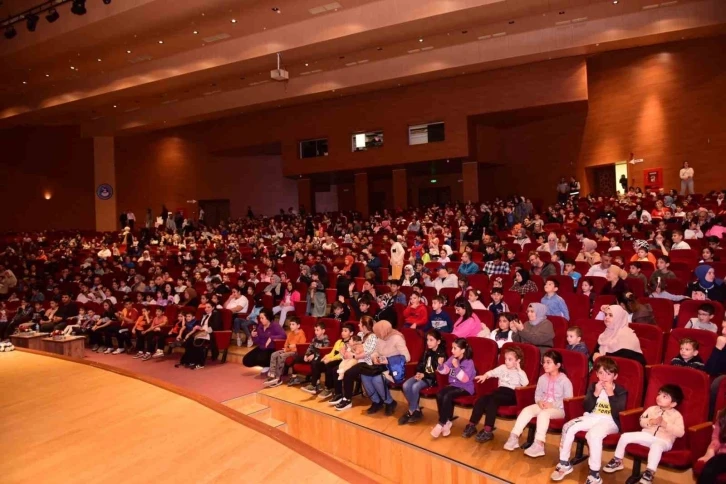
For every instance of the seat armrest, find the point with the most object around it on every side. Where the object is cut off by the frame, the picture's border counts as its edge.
(630, 419)
(574, 407)
(699, 438)
(326, 350)
(525, 396)
(302, 348)
(410, 369)
(279, 344)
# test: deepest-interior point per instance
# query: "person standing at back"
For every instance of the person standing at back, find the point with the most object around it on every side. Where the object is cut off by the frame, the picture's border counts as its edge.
(686, 175)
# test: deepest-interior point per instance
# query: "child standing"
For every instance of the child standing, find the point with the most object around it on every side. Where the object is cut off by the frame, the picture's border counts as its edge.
(503, 334)
(688, 356)
(552, 388)
(603, 403)
(277, 360)
(439, 319)
(510, 376)
(662, 425)
(461, 371)
(556, 306)
(704, 320)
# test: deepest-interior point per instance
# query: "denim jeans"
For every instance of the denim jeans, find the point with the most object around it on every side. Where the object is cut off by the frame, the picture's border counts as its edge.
(243, 325)
(377, 389)
(411, 390)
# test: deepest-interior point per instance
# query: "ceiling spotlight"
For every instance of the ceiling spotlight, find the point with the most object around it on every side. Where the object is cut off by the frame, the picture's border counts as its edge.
(24, 82)
(47, 75)
(161, 41)
(128, 51)
(73, 68)
(276, 10)
(10, 32)
(234, 21)
(420, 40)
(79, 7)
(106, 2)
(195, 32)
(114, 105)
(32, 21)
(615, 2)
(99, 60)
(52, 16)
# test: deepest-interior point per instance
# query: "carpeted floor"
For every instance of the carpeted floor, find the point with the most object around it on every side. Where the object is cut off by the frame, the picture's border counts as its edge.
(220, 382)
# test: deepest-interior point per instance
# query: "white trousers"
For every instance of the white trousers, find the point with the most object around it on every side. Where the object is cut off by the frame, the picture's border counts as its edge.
(283, 310)
(597, 427)
(657, 446)
(543, 420)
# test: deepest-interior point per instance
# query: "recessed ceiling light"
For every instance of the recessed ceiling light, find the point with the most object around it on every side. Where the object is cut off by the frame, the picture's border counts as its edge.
(234, 21)
(615, 2)
(114, 105)
(195, 32)
(420, 40)
(47, 75)
(161, 41)
(24, 82)
(276, 10)
(73, 68)
(99, 60)
(128, 51)
(306, 64)
(379, 48)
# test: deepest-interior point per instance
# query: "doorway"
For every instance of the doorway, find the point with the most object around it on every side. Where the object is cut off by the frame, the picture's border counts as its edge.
(215, 211)
(434, 195)
(604, 178)
(621, 170)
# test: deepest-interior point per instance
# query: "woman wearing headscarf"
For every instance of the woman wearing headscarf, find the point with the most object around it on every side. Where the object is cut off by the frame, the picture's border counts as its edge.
(618, 339)
(390, 344)
(410, 278)
(386, 311)
(551, 244)
(616, 285)
(398, 254)
(707, 283)
(537, 331)
(522, 283)
(589, 252)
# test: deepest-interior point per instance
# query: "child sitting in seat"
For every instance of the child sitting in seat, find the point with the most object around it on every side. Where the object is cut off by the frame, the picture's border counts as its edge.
(704, 320)
(662, 425)
(355, 345)
(497, 306)
(603, 403)
(503, 334)
(510, 376)
(688, 355)
(83, 322)
(574, 341)
(552, 388)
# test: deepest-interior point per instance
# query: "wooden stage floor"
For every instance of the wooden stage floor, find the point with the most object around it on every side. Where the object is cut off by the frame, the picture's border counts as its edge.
(489, 458)
(67, 422)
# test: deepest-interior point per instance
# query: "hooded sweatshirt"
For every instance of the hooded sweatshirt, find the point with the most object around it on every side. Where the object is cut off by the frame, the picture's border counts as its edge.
(674, 423)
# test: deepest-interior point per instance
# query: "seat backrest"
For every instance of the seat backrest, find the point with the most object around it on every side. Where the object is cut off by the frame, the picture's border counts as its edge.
(486, 317)
(591, 330)
(513, 300)
(694, 383)
(531, 297)
(567, 284)
(531, 363)
(578, 305)
(449, 338)
(559, 324)
(706, 341)
(689, 309)
(450, 294)
(662, 311)
(576, 368)
(415, 343)
(485, 353)
(332, 329)
(602, 300)
(479, 281)
(651, 342)
(630, 376)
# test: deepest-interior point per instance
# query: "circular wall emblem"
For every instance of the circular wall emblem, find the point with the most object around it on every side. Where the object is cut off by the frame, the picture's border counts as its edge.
(104, 191)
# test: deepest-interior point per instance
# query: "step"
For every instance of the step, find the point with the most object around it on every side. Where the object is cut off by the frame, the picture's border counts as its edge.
(246, 404)
(265, 416)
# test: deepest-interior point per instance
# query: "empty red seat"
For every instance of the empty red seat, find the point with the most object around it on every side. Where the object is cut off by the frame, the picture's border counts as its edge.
(662, 310)
(651, 342)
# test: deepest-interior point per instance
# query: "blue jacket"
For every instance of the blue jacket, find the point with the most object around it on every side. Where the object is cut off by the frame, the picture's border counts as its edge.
(556, 306)
(468, 268)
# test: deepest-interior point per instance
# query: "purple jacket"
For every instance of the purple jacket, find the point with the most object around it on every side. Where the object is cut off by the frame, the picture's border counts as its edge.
(273, 332)
(467, 366)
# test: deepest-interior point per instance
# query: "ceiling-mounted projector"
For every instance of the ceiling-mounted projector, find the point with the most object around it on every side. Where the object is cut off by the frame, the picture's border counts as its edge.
(279, 74)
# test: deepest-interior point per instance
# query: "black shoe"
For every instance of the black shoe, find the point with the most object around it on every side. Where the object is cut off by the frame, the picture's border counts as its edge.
(344, 405)
(416, 416)
(374, 408)
(469, 431)
(484, 436)
(405, 418)
(390, 408)
(335, 400)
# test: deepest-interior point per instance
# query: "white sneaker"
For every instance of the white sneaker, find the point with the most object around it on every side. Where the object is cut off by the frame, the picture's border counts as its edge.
(436, 431)
(158, 354)
(512, 442)
(446, 430)
(535, 450)
(138, 355)
(117, 351)
(108, 351)
(270, 382)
